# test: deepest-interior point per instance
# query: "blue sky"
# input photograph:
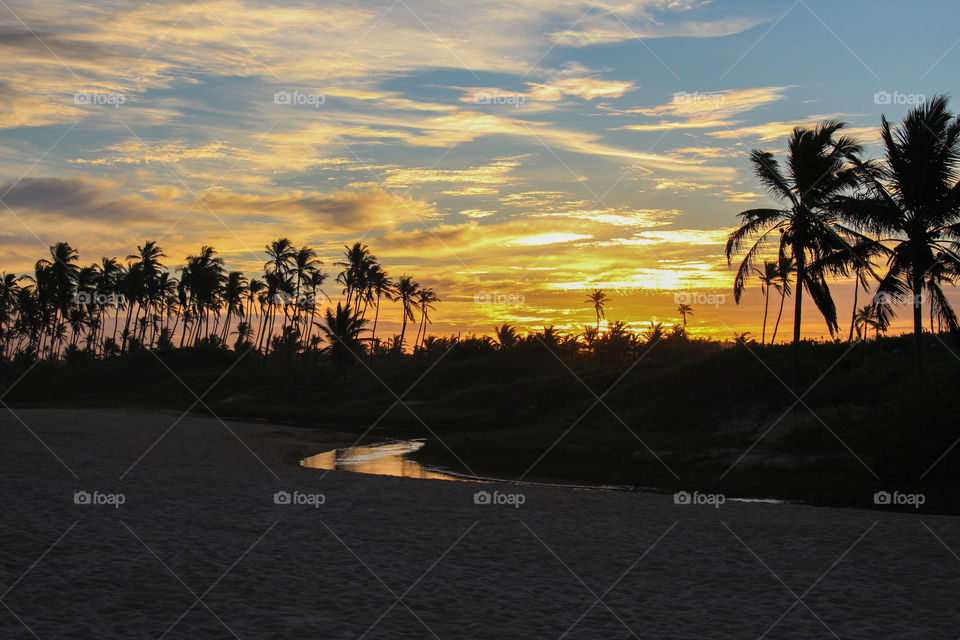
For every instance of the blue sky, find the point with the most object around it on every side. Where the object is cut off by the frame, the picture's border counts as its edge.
(532, 149)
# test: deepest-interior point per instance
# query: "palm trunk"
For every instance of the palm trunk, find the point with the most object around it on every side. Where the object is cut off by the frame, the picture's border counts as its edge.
(853, 315)
(766, 306)
(798, 314)
(783, 297)
(918, 327)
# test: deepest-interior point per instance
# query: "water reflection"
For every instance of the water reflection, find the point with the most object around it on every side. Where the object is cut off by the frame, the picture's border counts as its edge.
(387, 459)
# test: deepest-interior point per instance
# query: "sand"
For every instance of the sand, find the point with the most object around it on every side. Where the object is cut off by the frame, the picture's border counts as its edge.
(200, 549)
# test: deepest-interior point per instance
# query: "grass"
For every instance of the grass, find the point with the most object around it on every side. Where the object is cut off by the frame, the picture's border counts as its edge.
(862, 427)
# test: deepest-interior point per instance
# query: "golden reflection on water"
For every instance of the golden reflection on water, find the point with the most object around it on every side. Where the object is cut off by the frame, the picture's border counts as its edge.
(389, 459)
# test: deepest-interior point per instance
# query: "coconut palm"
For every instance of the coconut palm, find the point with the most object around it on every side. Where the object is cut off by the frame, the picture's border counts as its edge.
(381, 286)
(425, 299)
(768, 278)
(356, 265)
(597, 299)
(506, 336)
(342, 330)
(685, 310)
(405, 292)
(809, 228)
(785, 269)
(913, 201)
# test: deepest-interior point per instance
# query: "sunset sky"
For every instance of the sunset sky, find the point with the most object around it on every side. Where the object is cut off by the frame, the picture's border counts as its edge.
(511, 155)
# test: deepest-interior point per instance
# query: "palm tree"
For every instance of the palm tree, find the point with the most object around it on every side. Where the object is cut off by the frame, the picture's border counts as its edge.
(425, 299)
(356, 264)
(685, 310)
(506, 336)
(914, 201)
(598, 299)
(768, 277)
(381, 286)
(342, 330)
(234, 293)
(655, 333)
(405, 292)
(785, 269)
(809, 227)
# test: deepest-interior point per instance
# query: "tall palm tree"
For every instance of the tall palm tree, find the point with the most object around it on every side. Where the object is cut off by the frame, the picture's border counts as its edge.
(381, 286)
(234, 294)
(785, 270)
(425, 299)
(405, 292)
(598, 299)
(913, 200)
(768, 278)
(684, 310)
(356, 265)
(809, 227)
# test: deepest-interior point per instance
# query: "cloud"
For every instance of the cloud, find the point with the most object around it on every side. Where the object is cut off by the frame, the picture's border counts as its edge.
(78, 199)
(338, 212)
(708, 110)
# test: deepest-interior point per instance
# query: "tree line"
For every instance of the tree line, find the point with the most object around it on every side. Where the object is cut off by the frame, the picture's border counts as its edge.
(112, 307)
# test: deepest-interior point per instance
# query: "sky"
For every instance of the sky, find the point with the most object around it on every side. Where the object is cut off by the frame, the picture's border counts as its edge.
(512, 155)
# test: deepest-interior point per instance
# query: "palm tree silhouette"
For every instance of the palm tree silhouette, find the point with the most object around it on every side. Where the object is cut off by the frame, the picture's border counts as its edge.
(768, 277)
(785, 269)
(381, 286)
(914, 196)
(598, 299)
(506, 336)
(405, 292)
(809, 227)
(684, 310)
(342, 330)
(425, 299)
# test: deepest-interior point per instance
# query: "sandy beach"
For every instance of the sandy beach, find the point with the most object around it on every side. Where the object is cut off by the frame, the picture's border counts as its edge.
(181, 537)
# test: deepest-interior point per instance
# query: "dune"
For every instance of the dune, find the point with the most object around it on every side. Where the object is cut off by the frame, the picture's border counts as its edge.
(193, 528)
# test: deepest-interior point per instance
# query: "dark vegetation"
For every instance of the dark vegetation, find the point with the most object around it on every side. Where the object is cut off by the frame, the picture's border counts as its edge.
(699, 405)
